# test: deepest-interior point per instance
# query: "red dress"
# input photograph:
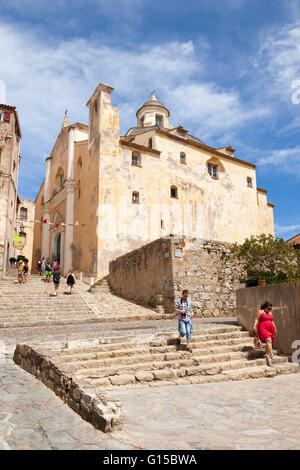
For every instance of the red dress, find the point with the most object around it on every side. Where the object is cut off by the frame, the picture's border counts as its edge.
(265, 327)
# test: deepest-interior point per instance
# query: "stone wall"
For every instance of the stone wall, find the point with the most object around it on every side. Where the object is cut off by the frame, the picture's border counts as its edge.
(143, 274)
(209, 271)
(82, 398)
(169, 265)
(285, 298)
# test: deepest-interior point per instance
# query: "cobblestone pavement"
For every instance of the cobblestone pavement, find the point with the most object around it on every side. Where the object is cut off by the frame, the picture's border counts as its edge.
(44, 334)
(251, 414)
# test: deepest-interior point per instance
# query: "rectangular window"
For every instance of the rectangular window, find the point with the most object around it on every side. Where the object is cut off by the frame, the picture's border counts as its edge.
(23, 213)
(150, 143)
(1, 117)
(135, 197)
(6, 116)
(213, 170)
(135, 160)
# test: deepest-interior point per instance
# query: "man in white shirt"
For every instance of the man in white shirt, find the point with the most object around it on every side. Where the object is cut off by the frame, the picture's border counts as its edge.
(183, 307)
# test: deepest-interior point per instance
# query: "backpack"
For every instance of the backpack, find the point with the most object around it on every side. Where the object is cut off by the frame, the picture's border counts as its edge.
(56, 276)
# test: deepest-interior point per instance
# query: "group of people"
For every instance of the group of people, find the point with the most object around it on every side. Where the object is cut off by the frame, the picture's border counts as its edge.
(46, 268)
(264, 328)
(23, 269)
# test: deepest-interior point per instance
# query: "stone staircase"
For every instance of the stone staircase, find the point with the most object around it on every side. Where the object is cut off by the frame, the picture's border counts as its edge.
(218, 354)
(33, 304)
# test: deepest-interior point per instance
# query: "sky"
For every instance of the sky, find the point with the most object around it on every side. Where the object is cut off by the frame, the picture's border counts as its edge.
(228, 70)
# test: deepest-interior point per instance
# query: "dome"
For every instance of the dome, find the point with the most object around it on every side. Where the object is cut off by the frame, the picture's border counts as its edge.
(153, 101)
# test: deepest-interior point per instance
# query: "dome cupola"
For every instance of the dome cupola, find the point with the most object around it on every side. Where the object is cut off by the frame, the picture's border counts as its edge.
(153, 113)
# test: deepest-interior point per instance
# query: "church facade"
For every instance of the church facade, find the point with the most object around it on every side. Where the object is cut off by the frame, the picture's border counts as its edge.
(105, 194)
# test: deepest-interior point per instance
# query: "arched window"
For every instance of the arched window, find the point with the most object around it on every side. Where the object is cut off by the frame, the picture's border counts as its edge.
(158, 120)
(249, 182)
(182, 157)
(59, 180)
(136, 159)
(135, 197)
(174, 192)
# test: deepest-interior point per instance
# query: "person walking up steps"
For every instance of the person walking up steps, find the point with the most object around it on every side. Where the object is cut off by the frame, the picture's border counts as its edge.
(48, 271)
(183, 307)
(56, 279)
(20, 272)
(264, 328)
(70, 281)
(43, 266)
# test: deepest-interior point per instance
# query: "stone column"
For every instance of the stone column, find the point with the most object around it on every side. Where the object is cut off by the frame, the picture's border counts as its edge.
(46, 213)
(69, 185)
(70, 174)
(68, 240)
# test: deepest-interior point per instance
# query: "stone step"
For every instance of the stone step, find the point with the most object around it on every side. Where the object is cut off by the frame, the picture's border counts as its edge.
(87, 319)
(144, 379)
(178, 368)
(148, 372)
(116, 353)
(126, 347)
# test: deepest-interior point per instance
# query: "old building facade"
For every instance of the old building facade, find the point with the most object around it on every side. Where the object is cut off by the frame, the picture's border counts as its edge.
(10, 137)
(105, 194)
(25, 228)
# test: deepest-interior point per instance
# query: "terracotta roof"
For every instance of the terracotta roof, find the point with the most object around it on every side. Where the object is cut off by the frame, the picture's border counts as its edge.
(295, 240)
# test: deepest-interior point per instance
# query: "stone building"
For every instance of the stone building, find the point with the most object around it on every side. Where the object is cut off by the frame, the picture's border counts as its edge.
(10, 137)
(25, 228)
(105, 194)
(294, 242)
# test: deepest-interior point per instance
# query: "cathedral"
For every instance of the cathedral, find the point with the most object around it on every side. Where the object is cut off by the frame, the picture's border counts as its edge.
(105, 194)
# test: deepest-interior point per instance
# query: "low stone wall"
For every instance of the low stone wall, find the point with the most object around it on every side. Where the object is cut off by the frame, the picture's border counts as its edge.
(285, 298)
(81, 397)
(145, 273)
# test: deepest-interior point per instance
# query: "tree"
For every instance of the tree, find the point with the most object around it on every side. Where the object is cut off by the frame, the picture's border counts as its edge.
(266, 257)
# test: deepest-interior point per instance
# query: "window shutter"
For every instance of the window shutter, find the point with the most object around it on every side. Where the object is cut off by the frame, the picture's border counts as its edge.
(6, 116)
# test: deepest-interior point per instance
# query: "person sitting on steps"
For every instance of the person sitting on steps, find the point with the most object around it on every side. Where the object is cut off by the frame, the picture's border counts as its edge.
(183, 307)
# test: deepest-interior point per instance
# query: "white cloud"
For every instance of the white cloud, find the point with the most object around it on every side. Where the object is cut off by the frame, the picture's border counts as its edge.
(279, 57)
(212, 111)
(287, 229)
(287, 160)
(43, 79)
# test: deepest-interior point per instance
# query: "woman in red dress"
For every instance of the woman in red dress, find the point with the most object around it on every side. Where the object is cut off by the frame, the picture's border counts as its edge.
(265, 329)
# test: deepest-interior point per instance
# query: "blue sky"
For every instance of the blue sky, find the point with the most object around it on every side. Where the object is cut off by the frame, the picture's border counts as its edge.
(229, 71)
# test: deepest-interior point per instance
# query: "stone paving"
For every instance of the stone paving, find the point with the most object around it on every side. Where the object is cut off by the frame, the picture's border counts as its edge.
(259, 414)
(250, 414)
